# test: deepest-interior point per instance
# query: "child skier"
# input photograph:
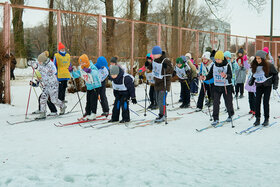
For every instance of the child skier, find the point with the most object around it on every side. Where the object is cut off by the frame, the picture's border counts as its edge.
(103, 69)
(89, 73)
(265, 76)
(234, 66)
(162, 70)
(49, 103)
(49, 84)
(123, 90)
(206, 85)
(251, 89)
(221, 72)
(240, 74)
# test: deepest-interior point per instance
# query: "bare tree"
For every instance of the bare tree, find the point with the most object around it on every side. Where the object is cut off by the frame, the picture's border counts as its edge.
(51, 44)
(18, 29)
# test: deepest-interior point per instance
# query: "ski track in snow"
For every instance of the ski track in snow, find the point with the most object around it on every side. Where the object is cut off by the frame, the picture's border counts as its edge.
(40, 154)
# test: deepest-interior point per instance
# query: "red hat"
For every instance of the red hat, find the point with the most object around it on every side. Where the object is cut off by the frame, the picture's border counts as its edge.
(60, 46)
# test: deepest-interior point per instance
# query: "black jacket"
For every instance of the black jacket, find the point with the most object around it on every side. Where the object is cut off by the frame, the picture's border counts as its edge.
(129, 84)
(273, 73)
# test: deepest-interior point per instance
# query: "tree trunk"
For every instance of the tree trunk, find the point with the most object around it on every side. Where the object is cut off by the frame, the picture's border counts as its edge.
(18, 29)
(110, 28)
(175, 34)
(51, 45)
(142, 39)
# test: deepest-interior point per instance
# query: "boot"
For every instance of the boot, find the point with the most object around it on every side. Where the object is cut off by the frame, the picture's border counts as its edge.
(111, 121)
(106, 114)
(92, 116)
(198, 110)
(160, 119)
(266, 122)
(214, 123)
(241, 96)
(257, 122)
(62, 110)
(229, 119)
(42, 115)
(184, 105)
(52, 114)
(36, 112)
(125, 120)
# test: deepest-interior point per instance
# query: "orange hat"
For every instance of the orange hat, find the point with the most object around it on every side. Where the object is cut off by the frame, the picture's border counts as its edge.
(60, 46)
(84, 61)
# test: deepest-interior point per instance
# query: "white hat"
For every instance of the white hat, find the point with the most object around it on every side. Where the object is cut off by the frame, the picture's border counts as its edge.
(206, 55)
(188, 55)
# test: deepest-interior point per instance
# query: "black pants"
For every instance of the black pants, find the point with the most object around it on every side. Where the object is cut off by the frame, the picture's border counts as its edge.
(152, 95)
(202, 94)
(252, 101)
(61, 90)
(121, 102)
(50, 105)
(12, 74)
(239, 87)
(264, 91)
(185, 92)
(218, 91)
(103, 97)
(92, 97)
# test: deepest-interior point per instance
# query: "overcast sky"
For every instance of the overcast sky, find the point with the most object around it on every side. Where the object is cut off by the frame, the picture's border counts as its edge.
(243, 19)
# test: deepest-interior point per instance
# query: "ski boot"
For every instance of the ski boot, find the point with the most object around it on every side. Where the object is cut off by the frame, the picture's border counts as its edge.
(125, 120)
(257, 122)
(92, 116)
(265, 123)
(160, 118)
(62, 110)
(215, 123)
(42, 115)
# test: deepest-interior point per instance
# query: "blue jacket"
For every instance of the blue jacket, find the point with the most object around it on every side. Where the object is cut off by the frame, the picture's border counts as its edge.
(234, 68)
(91, 79)
(201, 72)
(101, 62)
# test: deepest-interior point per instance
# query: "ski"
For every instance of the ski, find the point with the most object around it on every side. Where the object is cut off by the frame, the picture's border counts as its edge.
(245, 130)
(85, 119)
(260, 128)
(79, 122)
(151, 122)
(114, 123)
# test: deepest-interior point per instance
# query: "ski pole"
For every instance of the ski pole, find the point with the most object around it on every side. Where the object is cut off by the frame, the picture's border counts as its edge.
(147, 109)
(76, 104)
(35, 93)
(236, 100)
(165, 93)
(134, 112)
(171, 96)
(209, 101)
(29, 94)
(78, 95)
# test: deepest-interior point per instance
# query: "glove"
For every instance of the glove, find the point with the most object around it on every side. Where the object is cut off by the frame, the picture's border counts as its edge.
(275, 87)
(134, 100)
(147, 63)
(251, 81)
(70, 68)
(141, 77)
(164, 65)
(87, 70)
(33, 84)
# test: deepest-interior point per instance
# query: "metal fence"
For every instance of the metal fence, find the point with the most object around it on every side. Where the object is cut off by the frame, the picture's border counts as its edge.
(92, 41)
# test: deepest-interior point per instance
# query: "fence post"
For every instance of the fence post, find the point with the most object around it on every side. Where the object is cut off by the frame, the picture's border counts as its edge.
(99, 36)
(159, 35)
(236, 43)
(255, 45)
(225, 48)
(262, 44)
(132, 48)
(7, 30)
(212, 40)
(275, 53)
(197, 44)
(180, 42)
(58, 27)
(247, 44)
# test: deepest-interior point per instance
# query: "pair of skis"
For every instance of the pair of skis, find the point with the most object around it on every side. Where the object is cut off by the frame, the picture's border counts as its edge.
(253, 129)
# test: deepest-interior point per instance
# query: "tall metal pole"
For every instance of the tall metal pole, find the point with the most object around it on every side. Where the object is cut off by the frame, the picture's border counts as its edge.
(58, 27)
(7, 31)
(132, 48)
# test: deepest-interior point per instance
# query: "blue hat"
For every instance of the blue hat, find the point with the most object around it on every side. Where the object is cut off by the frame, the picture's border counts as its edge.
(157, 50)
(101, 62)
(227, 54)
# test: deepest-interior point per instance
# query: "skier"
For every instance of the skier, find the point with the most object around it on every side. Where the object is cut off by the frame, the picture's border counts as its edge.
(265, 76)
(240, 73)
(251, 89)
(206, 86)
(62, 63)
(221, 72)
(49, 84)
(123, 85)
(89, 73)
(103, 69)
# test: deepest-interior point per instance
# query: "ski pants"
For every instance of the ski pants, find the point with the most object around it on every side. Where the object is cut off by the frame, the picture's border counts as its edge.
(92, 97)
(161, 100)
(62, 89)
(51, 92)
(252, 101)
(264, 91)
(121, 102)
(50, 105)
(152, 95)
(103, 97)
(202, 94)
(185, 92)
(239, 87)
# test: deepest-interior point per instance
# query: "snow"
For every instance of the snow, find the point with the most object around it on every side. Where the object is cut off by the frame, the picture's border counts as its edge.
(40, 154)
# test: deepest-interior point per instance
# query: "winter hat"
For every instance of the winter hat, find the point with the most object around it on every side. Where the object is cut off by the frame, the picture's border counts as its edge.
(156, 50)
(101, 62)
(261, 54)
(188, 55)
(114, 60)
(265, 49)
(60, 46)
(114, 70)
(84, 61)
(149, 56)
(227, 54)
(206, 55)
(241, 50)
(43, 57)
(219, 55)
(179, 61)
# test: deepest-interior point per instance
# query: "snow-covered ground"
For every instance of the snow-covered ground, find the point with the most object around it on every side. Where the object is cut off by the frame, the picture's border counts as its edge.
(40, 154)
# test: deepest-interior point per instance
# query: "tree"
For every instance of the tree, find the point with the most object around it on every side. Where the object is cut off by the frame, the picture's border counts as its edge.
(51, 44)
(18, 29)
(142, 36)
